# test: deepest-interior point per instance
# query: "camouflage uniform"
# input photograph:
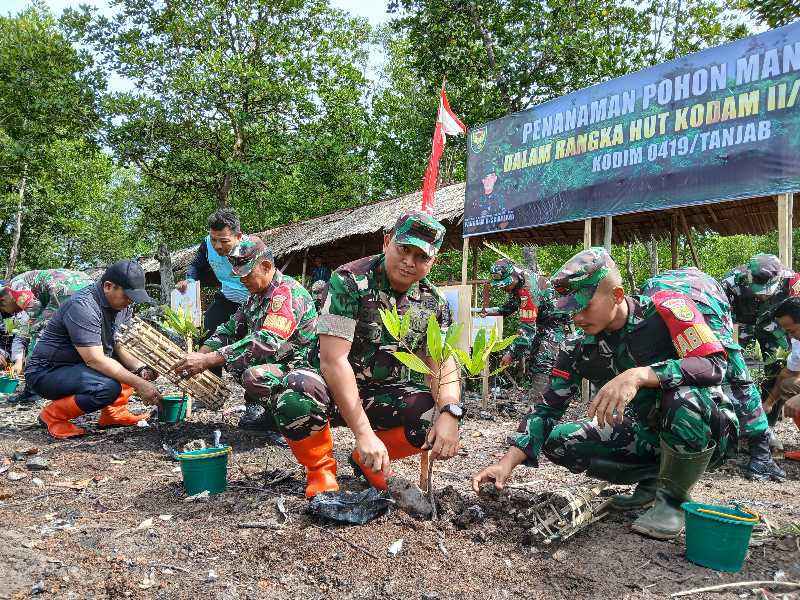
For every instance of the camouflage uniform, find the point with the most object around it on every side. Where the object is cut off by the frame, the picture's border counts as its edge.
(688, 412)
(542, 329)
(319, 290)
(40, 293)
(754, 290)
(356, 292)
(271, 333)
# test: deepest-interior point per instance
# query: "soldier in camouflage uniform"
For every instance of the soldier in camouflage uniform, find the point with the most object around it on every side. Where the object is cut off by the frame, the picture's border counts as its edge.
(541, 328)
(269, 335)
(660, 411)
(754, 290)
(709, 297)
(362, 384)
(38, 294)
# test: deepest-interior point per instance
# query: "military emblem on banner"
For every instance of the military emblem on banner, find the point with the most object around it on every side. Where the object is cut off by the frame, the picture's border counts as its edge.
(679, 308)
(277, 302)
(477, 139)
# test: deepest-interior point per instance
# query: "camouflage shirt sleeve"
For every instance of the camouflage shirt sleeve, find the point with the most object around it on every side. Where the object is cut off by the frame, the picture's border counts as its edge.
(279, 325)
(510, 306)
(226, 333)
(565, 383)
(339, 314)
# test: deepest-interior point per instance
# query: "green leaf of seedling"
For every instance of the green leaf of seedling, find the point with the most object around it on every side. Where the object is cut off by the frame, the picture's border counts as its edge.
(413, 362)
(461, 356)
(434, 337)
(504, 343)
(499, 370)
(391, 321)
(453, 334)
(492, 337)
(405, 324)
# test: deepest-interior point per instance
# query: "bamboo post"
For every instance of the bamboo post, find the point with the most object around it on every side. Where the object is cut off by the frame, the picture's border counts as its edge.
(587, 243)
(464, 261)
(188, 397)
(688, 233)
(607, 225)
(785, 210)
(305, 265)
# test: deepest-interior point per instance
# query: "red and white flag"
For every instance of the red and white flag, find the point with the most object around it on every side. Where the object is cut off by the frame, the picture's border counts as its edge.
(447, 123)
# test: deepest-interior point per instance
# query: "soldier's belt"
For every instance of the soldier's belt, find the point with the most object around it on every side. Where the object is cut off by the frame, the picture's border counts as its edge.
(159, 353)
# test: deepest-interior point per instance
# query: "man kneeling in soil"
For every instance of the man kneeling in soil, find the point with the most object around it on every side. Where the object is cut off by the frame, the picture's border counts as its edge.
(660, 412)
(362, 385)
(268, 336)
(77, 361)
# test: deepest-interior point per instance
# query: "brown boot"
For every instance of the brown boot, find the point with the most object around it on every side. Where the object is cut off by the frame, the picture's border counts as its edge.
(397, 445)
(56, 415)
(315, 453)
(117, 414)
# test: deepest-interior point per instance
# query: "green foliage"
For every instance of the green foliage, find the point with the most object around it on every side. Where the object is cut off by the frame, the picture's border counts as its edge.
(180, 323)
(774, 12)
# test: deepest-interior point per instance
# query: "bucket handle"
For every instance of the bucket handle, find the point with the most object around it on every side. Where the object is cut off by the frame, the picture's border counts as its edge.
(753, 518)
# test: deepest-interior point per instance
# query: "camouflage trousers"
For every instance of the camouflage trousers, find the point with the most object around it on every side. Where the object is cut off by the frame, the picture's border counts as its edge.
(301, 403)
(744, 394)
(540, 347)
(687, 418)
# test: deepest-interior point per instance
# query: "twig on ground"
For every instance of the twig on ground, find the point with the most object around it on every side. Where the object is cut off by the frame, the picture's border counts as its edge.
(34, 499)
(166, 566)
(345, 540)
(740, 584)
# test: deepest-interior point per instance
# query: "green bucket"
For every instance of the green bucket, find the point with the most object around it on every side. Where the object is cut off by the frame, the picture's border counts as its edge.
(205, 469)
(717, 536)
(8, 385)
(173, 409)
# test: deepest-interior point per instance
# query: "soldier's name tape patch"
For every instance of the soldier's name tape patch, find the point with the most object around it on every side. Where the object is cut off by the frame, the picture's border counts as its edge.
(679, 309)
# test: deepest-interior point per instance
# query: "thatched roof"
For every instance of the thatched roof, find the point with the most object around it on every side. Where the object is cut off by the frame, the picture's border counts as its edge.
(350, 233)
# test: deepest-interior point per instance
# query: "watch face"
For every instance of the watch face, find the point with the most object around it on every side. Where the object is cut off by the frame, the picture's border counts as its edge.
(455, 410)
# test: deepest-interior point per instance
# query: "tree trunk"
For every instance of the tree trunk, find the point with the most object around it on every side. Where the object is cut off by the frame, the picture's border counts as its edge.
(239, 148)
(652, 252)
(629, 267)
(14, 252)
(165, 271)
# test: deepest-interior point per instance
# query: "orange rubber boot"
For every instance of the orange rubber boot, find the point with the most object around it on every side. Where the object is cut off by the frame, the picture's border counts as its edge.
(315, 453)
(397, 445)
(117, 414)
(56, 415)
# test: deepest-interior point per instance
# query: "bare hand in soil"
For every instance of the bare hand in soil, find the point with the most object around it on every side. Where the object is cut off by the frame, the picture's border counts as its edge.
(182, 286)
(17, 368)
(442, 438)
(149, 394)
(497, 473)
(373, 453)
(609, 403)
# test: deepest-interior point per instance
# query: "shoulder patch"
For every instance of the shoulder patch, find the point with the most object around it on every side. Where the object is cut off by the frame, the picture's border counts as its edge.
(794, 285)
(688, 329)
(280, 318)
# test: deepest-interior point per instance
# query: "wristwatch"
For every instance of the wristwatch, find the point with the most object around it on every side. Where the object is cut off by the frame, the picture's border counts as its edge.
(455, 410)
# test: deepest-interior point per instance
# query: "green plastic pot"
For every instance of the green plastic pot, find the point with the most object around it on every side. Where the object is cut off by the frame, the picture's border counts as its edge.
(205, 470)
(8, 385)
(173, 409)
(717, 536)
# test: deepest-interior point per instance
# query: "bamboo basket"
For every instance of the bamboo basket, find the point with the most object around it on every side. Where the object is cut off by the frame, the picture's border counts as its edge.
(160, 353)
(560, 514)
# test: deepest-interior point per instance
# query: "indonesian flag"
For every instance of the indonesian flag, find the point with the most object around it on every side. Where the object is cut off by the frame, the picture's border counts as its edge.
(447, 123)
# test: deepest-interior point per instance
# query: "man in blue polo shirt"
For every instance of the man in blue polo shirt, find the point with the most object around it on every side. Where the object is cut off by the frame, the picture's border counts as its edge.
(77, 361)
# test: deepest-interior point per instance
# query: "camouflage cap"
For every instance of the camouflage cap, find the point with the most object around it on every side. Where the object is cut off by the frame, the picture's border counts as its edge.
(319, 288)
(247, 254)
(764, 272)
(503, 273)
(576, 281)
(416, 228)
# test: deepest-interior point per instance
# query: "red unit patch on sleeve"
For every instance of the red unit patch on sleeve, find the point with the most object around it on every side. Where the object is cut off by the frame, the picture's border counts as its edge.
(690, 333)
(560, 374)
(280, 318)
(528, 311)
(794, 285)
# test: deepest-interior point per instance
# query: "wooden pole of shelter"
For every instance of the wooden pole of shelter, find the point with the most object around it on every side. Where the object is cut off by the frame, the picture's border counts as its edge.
(464, 261)
(474, 273)
(587, 243)
(673, 239)
(688, 233)
(785, 210)
(607, 225)
(305, 265)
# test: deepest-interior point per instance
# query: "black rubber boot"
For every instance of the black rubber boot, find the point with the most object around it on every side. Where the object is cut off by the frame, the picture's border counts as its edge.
(626, 474)
(678, 474)
(762, 467)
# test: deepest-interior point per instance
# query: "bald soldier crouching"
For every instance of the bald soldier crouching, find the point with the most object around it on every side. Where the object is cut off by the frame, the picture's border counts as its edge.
(660, 411)
(361, 383)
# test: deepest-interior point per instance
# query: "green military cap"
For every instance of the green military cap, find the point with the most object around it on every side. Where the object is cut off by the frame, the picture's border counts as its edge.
(318, 289)
(765, 273)
(247, 254)
(576, 281)
(416, 228)
(503, 273)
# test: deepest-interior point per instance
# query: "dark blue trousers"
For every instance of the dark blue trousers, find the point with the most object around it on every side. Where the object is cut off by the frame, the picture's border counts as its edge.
(92, 389)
